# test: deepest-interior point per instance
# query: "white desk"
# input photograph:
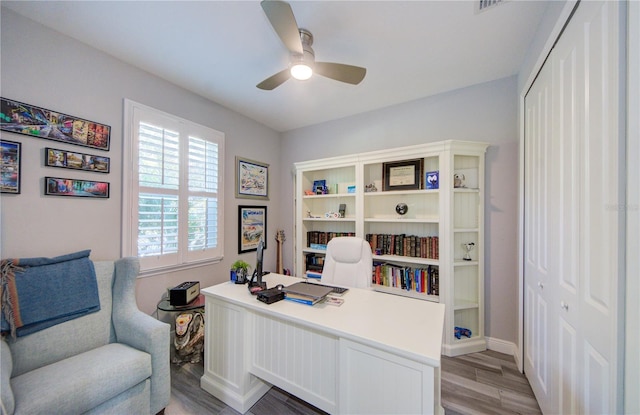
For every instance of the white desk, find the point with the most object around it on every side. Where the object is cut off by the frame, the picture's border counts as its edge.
(376, 353)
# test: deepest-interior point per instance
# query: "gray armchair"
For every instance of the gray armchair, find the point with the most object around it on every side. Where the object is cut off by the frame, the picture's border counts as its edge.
(113, 361)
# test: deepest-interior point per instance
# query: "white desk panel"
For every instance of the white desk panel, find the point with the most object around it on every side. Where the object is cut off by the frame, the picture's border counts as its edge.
(242, 334)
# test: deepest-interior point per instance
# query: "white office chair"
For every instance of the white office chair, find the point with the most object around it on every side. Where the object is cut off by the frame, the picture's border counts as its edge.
(348, 262)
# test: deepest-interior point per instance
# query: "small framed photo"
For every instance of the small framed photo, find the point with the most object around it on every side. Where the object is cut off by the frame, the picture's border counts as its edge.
(252, 179)
(77, 161)
(56, 186)
(252, 226)
(432, 180)
(402, 175)
(11, 171)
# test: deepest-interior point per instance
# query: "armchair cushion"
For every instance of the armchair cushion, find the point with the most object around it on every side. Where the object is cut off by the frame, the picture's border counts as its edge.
(95, 377)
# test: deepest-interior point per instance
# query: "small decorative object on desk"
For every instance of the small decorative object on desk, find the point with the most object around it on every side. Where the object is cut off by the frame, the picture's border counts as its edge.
(468, 246)
(239, 271)
(432, 179)
(334, 301)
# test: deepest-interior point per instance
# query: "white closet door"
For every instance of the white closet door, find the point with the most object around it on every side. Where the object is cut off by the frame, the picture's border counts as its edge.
(572, 221)
(540, 243)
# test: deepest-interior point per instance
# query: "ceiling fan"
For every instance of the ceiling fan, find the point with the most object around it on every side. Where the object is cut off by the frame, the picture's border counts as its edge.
(298, 41)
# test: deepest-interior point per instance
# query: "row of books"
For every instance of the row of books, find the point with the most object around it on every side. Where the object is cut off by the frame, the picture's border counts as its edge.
(423, 279)
(323, 238)
(405, 245)
(314, 261)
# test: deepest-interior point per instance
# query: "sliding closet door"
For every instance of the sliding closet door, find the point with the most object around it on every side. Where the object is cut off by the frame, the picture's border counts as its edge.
(572, 228)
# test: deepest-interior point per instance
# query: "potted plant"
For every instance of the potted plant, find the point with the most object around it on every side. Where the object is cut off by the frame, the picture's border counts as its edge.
(240, 271)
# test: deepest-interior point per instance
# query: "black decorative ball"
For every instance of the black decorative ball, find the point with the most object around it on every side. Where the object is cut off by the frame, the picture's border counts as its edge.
(402, 208)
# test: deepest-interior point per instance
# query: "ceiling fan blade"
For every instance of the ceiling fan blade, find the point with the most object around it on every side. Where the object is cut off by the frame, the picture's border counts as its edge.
(284, 23)
(275, 81)
(340, 72)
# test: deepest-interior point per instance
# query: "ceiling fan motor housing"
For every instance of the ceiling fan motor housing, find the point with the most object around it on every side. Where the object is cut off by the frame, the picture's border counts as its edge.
(308, 56)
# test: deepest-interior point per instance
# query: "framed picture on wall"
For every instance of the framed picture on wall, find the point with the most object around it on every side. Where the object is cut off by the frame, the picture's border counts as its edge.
(252, 179)
(11, 172)
(77, 161)
(21, 118)
(57, 186)
(252, 225)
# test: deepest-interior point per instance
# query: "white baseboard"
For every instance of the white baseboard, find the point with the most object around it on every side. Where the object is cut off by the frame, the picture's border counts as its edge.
(502, 346)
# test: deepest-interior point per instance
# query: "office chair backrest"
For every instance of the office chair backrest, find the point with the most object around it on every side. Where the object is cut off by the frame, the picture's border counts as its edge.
(348, 262)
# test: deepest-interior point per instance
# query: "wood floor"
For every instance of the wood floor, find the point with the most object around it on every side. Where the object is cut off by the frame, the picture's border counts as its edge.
(478, 383)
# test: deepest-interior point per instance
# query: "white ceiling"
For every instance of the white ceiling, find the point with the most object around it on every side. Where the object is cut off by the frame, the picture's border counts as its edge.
(222, 49)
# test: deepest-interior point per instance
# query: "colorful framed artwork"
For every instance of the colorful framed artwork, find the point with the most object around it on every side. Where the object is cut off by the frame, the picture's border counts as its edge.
(10, 169)
(402, 175)
(21, 118)
(252, 225)
(56, 186)
(77, 161)
(252, 179)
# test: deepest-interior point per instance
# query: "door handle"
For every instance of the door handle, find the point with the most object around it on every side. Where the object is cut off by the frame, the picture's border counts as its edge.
(540, 285)
(564, 306)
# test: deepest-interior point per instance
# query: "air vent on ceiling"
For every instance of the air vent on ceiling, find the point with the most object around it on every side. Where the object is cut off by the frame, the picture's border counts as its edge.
(482, 5)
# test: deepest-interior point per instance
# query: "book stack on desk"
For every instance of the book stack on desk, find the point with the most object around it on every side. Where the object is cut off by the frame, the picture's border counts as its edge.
(304, 293)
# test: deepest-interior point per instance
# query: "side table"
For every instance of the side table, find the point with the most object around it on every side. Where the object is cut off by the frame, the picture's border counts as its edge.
(187, 323)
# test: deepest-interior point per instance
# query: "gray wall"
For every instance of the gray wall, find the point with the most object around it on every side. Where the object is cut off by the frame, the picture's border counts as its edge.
(50, 70)
(485, 112)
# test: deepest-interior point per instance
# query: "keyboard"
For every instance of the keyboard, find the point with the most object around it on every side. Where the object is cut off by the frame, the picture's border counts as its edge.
(335, 290)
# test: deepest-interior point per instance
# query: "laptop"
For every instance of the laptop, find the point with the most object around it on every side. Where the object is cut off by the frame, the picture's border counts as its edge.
(308, 290)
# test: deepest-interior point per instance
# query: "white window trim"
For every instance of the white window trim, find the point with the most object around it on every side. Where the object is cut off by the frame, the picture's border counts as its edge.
(130, 190)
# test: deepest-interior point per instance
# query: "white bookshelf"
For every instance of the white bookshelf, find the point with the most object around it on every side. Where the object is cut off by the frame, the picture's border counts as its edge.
(455, 215)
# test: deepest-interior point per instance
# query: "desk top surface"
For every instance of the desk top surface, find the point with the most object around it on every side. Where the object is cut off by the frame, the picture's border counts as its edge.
(403, 325)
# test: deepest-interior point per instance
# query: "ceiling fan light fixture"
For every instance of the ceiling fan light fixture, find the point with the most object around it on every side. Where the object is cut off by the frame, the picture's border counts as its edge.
(301, 71)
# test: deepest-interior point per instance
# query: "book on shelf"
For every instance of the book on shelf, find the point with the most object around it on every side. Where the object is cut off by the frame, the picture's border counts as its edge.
(404, 245)
(323, 238)
(314, 274)
(419, 279)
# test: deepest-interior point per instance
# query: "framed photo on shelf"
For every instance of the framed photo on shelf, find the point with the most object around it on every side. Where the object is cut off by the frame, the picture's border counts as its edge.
(402, 175)
(252, 179)
(11, 166)
(252, 225)
(56, 186)
(432, 180)
(77, 161)
(21, 118)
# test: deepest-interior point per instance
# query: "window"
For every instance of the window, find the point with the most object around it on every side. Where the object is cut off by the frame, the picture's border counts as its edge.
(172, 199)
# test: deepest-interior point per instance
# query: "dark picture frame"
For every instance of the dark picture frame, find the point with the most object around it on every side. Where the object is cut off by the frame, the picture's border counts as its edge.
(252, 225)
(252, 179)
(18, 117)
(58, 186)
(76, 161)
(402, 175)
(11, 167)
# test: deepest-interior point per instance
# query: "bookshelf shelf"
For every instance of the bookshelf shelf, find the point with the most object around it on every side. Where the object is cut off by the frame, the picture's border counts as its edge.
(439, 223)
(329, 219)
(397, 220)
